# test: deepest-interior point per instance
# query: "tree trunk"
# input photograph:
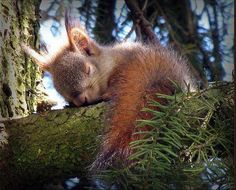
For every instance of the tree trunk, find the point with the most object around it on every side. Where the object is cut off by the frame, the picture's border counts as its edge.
(105, 21)
(51, 146)
(218, 70)
(19, 77)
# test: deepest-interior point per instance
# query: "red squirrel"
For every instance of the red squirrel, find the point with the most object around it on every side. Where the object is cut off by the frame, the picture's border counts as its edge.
(127, 74)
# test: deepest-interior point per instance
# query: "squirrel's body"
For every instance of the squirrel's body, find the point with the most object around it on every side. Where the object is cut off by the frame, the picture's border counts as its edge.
(128, 74)
(139, 71)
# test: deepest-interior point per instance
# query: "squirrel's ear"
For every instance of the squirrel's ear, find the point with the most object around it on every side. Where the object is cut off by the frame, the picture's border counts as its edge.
(78, 37)
(39, 59)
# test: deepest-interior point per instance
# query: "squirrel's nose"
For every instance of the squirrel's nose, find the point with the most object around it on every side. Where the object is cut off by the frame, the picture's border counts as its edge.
(80, 100)
(85, 100)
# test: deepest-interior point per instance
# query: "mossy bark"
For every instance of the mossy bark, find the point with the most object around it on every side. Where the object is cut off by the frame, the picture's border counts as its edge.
(19, 77)
(54, 145)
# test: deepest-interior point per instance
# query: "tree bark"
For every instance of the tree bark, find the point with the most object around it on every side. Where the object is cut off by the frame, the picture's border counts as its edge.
(19, 77)
(55, 145)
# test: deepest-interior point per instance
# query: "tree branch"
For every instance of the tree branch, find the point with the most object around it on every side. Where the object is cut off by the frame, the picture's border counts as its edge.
(54, 145)
(139, 19)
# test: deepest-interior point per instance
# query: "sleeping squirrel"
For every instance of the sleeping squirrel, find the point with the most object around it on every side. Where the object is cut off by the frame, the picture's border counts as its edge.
(127, 74)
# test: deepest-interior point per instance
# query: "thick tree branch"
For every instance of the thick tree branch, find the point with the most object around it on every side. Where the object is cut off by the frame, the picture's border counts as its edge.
(54, 145)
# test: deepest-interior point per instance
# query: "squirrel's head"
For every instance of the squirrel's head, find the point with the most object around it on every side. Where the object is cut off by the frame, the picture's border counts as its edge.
(73, 68)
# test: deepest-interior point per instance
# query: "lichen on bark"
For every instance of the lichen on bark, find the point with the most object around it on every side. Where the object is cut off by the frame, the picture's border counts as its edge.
(19, 77)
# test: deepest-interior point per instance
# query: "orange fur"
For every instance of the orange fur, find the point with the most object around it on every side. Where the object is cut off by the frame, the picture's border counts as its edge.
(131, 84)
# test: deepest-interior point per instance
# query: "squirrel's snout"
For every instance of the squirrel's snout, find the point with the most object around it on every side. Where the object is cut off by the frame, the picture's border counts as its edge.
(80, 100)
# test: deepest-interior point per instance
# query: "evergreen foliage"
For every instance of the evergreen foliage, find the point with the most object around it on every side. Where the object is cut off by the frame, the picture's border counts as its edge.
(189, 146)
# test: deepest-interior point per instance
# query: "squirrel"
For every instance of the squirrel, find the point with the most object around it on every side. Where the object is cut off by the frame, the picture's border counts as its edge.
(127, 74)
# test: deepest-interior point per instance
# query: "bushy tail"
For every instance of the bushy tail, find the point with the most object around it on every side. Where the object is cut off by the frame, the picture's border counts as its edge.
(132, 85)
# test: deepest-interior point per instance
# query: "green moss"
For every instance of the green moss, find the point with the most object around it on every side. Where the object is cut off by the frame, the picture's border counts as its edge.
(14, 37)
(2, 105)
(58, 144)
(4, 60)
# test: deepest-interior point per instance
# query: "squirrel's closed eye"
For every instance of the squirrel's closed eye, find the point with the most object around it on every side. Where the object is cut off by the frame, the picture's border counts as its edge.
(88, 69)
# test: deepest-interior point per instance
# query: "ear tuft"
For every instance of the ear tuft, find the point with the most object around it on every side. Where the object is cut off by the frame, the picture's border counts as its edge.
(78, 37)
(71, 21)
(39, 59)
